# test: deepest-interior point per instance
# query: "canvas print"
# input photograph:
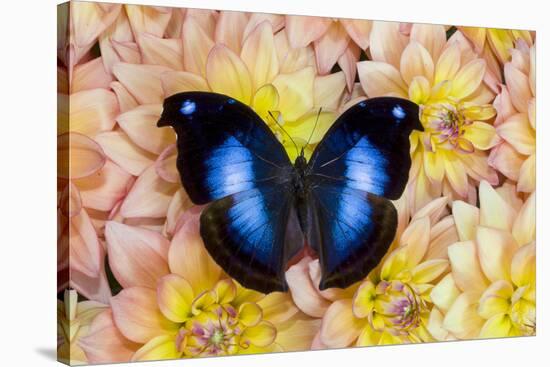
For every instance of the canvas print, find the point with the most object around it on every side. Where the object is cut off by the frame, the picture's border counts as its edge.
(237, 183)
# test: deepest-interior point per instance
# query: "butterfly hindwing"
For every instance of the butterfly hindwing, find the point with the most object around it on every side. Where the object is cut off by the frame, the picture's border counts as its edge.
(246, 234)
(229, 158)
(362, 161)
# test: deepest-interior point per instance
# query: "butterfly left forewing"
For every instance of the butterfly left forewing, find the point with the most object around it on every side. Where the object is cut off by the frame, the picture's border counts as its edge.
(362, 162)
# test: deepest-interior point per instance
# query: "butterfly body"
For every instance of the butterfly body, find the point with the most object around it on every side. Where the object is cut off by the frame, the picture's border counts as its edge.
(263, 209)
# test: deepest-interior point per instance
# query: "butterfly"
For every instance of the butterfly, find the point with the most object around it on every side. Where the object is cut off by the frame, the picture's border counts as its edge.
(264, 211)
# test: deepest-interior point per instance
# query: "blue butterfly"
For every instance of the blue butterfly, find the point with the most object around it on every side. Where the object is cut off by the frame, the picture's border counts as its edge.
(264, 210)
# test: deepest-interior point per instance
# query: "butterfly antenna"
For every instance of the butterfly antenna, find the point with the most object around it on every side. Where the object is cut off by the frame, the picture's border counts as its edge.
(314, 126)
(286, 132)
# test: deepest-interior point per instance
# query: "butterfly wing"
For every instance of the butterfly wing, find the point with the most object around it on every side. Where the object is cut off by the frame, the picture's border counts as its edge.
(362, 161)
(228, 157)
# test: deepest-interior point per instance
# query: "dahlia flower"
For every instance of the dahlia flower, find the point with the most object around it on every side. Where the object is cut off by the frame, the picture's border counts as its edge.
(392, 305)
(334, 40)
(445, 77)
(177, 303)
(515, 156)
(490, 291)
(73, 324)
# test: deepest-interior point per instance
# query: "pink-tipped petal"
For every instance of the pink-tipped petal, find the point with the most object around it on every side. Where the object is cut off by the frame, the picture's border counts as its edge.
(148, 19)
(161, 51)
(229, 29)
(358, 30)
(104, 343)
(302, 30)
(179, 204)
(166, 164)
(142, 81)
(121, 150)
(386, 42)
(138, 257)
(416, 61)
(126, 101)
(518, 86)
(431, 36)
(141, 126)
(330, 46)
(78, 156)
(348, 64)
(137, 316)
(507, 160)
(102, 190)
(205, 18)
(84, 246)
(149, 197)
(277, 22)
(94, 288)
(304, 293)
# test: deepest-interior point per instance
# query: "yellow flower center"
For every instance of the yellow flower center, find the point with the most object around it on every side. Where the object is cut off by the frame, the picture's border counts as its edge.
(522, 313)
(399, 305)
(444, 124)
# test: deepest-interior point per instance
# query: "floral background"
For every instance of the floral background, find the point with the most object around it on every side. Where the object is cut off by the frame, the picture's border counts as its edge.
(140, 285)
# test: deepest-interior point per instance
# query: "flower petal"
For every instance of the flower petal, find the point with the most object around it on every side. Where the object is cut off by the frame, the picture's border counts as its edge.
(104, 189)
(161, 51)
(363, 300)
(462, 319)
(121, 150)
(148, 19)
(302, 30)
(138, 317)
(497, 326)
(78, 156)
(494, 211)
(465, 266)
(149, 197)
(189, 259)
(138, 257)
(125, 100)
(445, 293)
(456, 173)
(277, 22)
(379, 79)
(298, 335)
(495, 252)
(196, 46)
(142, 81)
(277, 307)
(260, 56)
(525, 223)
(85, 249)
(507, 160)
(141, 126)
(431, 36)
(496, 299)
(226, 73)
(468, 78)
(386, 42)
(466, 219)
(303, 291)
(295, 92)
(166, 165)
(181, 81)
(160, 347)
(347, 63)
(339, 327)
(104, 343)
(429, 270)
(523, 266)
(260, 335)
(416, 61)
(527, 175)
(482, 135)
(518, 86)
(92, 111)
(175, 297)
(517, 131)
(90, 75)
(250, 314)
(328, 90)
(358, 30)
(448, 64)
(230, 26)
(330, 46)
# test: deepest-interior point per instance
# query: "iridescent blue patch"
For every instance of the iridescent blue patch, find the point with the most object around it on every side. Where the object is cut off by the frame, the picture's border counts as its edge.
(398, 112)
(188, 107)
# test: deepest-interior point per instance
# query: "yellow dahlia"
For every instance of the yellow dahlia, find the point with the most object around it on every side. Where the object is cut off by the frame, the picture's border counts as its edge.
(392, 305)
(445, 77)
(490, 291)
